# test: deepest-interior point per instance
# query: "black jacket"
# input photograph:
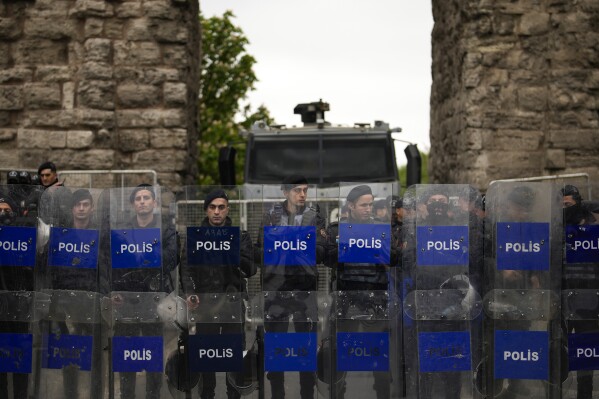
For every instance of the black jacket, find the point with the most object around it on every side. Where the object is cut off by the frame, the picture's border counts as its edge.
(221, 278)
(355, 273)
(148, 279)
(282, 278)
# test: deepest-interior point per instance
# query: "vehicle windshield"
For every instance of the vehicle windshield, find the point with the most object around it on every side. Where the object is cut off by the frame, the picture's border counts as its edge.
(322, 159)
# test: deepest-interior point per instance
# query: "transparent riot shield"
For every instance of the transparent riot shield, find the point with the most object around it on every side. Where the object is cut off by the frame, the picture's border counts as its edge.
(141, 308)
(580, 292)
(442, 258)
(523, 232)
(292, 246)
(365, 357)
(68, 262)
(21, 307)
(217, 260)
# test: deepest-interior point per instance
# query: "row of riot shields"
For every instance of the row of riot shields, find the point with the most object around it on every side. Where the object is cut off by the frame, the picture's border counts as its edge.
(300, 292)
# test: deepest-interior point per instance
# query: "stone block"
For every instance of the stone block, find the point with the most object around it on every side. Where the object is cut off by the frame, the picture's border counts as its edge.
(128, 9)
(138, 96)
(46, 27)
(160, 161)
(7, 135)
(571, 139)
(42, 139)
(93, 27)
(96, 71)
(113, 29)
(10, 158)
(175, 55)
(68, 95)
(91, 159)
(168, 138)
(136, 53)
(133, 140)
(533, 98)
(92, 8)
(555, 159)
(169, 31)
(95, 118)
(138, 30)
(54, 73)
(533, 23)
(9, 29)
(175, 94)
(79, 139)
(6, 60)
(16, 74)
(11, 97)
(42, 95)
(160, 9)
(5, 118)
(96, 94)
(40, 52)
(512, 140)
(97, 50)
(153, 118)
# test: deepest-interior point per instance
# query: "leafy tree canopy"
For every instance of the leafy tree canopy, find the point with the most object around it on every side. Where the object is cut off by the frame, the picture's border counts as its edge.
(226, 77)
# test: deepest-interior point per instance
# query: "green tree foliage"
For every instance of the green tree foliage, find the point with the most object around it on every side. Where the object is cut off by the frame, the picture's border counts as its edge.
(403, 171)
(226, 77)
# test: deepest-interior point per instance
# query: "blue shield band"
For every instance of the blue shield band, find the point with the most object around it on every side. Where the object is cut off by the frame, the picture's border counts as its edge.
(365, 243)
(582, 244)
(213, 246)
(17, 352)
(73, 248)
(290, 351)
(522, 354)
(66, 350)
(363, 351)
(289, 246)
(444, 351)
(442, 245)
(135, 354)
(216, 352)
(17, 246)
(583, 351)
(523, 246)
(136, 248)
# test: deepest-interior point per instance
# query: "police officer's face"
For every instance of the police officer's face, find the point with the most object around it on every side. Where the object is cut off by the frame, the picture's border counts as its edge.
(568, 201)
(361, 209)
(143, 203)
(83, 209)
(297, 195)
(217, 211)
(47, 177)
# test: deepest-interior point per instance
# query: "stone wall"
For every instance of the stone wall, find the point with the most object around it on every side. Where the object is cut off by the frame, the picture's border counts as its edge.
(95, 84)
(515, 89)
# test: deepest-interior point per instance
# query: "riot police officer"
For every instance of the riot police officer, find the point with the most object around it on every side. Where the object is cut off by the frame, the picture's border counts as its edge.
(292, 282)
(219, 279)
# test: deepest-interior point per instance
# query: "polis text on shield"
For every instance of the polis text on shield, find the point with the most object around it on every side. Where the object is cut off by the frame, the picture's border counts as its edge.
(364, 351)
(213, 245)
(144, 247)
(296, 245)
(451, 245)
(291, 352)
(81, 248)
(521, 356)
(138, 354)
(225, 353)
(586, 245)
(14, 246)
(372, 243)
(523, 247)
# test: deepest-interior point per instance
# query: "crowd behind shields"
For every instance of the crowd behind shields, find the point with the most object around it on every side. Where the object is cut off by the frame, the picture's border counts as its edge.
(289, 282)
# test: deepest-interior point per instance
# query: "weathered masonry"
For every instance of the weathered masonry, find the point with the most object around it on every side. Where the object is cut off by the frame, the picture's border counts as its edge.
(515, 89)
(94, 84)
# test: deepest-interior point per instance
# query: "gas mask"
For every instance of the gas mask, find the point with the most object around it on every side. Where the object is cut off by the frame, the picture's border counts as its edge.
(572, 214)
(6, 217)
(437, 211)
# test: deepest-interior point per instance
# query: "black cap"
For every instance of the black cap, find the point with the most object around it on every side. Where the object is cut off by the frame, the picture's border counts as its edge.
(46, 165)
(12, 177)
(214, 194)
(9, 201)
(570, 190)
(80, 195)
(143, 186)
(358, 191)
(291, 181)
